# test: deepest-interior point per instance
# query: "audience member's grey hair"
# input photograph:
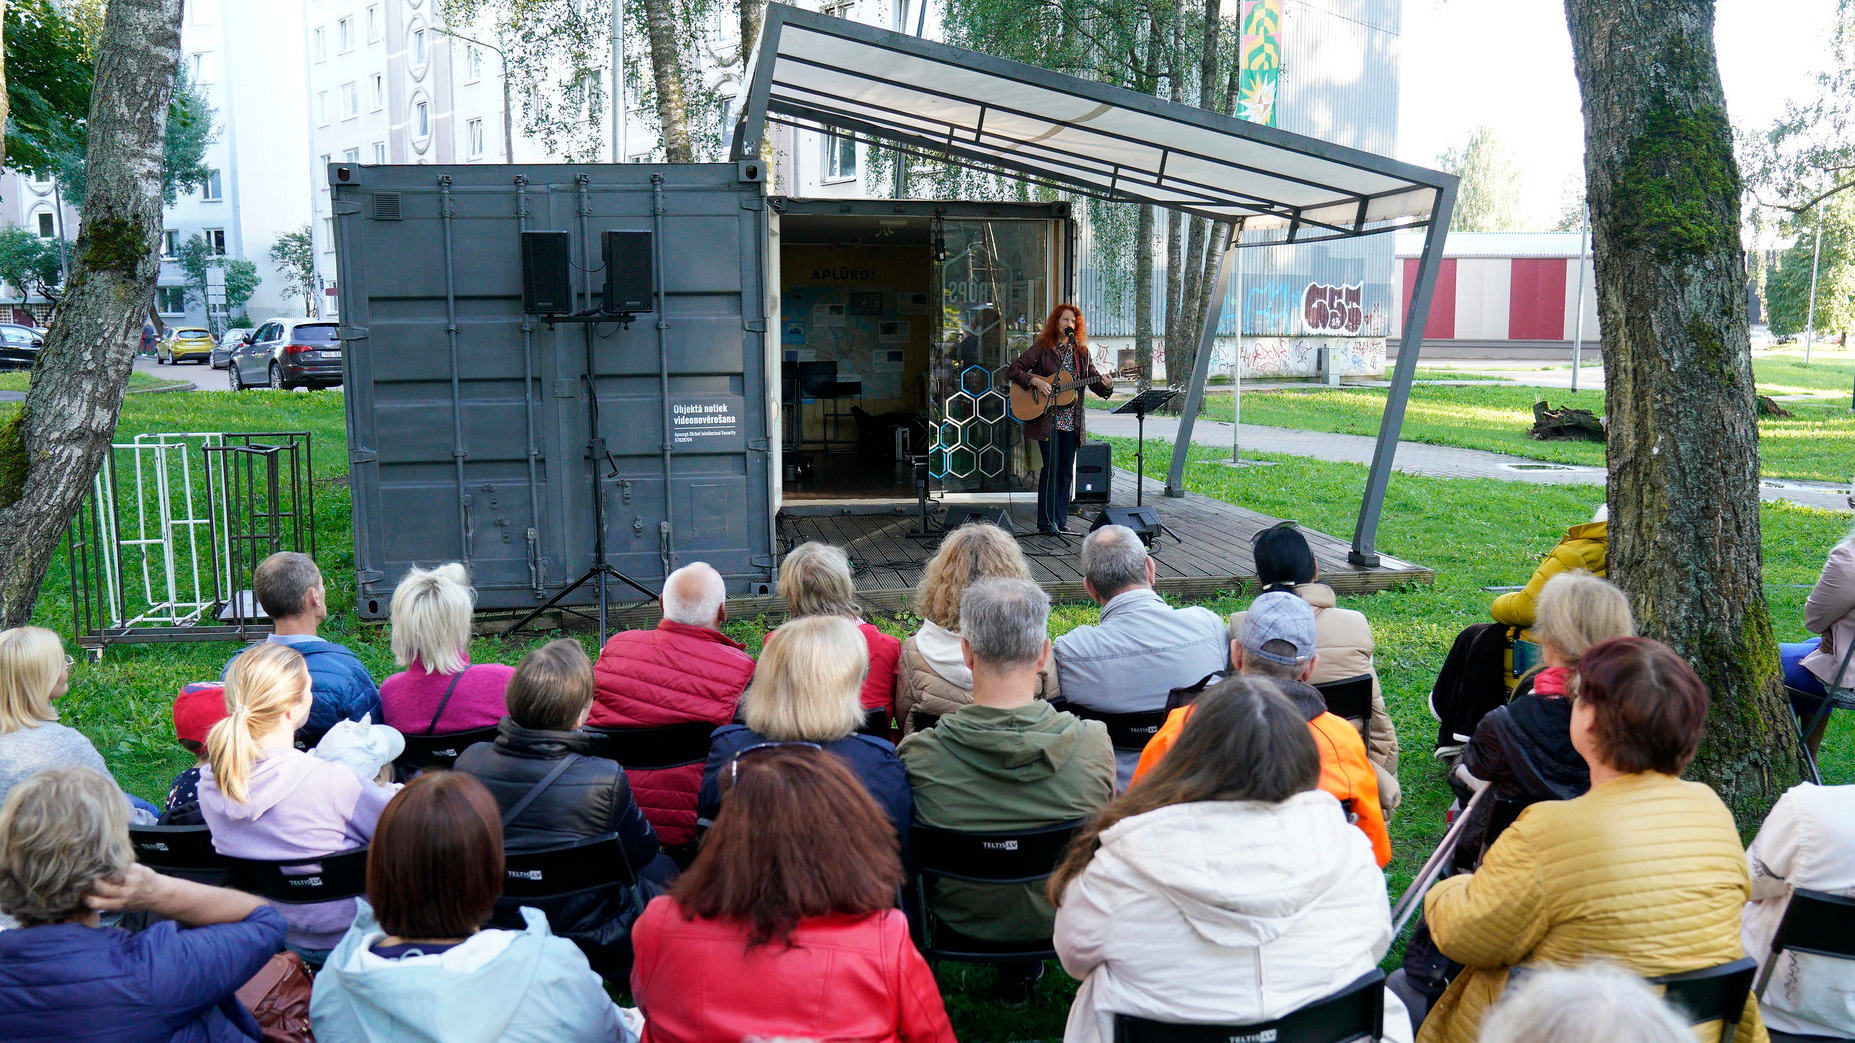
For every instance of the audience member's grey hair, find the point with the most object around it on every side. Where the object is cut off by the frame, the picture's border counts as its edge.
(1114, 560)
(815, 580)
(283, 581)
(693, 595)
(1596, 1001)
(1005, 621)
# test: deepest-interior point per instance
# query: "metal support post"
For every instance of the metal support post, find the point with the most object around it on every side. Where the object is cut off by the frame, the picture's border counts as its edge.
(1584, 250)
(1816, 255)
(1201, 367)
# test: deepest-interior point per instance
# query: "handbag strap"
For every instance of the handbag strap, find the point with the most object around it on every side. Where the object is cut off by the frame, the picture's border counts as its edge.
(432, 728)
(535, 791)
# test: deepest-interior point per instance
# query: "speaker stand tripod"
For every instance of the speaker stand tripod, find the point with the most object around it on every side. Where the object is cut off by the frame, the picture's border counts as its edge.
(1149, 401)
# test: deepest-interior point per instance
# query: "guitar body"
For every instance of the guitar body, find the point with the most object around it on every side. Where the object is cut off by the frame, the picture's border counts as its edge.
(1029, 404)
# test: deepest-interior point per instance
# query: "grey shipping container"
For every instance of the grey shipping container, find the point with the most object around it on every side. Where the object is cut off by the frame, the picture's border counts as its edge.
(470, 430)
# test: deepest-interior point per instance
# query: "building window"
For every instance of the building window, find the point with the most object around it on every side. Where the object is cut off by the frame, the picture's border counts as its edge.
(380, 152)
(344, 34)
(321, 43)
(421, 124)
(373, 23)
(474, 132)
(328, 235)
(839, 10)
(323, 168)
(840, 158)
(200, 68)
(350, 101)
(170, 243)
(353, 155)
(322, 108)
(48, 226)
(199, 12)
(421, 52)
(171, 300)
(473, 63)
(212, 191)
(379, 92)
(215, 241)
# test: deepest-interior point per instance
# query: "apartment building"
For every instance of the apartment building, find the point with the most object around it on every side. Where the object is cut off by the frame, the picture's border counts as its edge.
(33, 204)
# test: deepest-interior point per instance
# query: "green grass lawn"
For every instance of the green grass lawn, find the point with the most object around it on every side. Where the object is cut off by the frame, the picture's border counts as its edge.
(21, 379)
(1784, 373)
(1472, 532)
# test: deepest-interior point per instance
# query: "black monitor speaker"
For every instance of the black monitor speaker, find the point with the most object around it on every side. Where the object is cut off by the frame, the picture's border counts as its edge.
(630, 276)
(958, 516)
(1143, 520)
(547, 284)
(1094, 472)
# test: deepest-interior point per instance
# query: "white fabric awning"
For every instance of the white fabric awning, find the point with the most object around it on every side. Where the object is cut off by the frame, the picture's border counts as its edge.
(821, 72)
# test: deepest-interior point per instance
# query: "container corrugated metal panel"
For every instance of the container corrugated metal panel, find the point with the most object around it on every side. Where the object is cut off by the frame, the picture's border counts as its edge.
(524, 541)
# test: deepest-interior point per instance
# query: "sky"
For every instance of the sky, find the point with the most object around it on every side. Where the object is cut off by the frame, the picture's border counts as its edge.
(1508, 63)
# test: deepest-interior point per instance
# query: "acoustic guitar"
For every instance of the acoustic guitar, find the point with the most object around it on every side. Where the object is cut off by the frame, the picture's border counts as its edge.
(1030, 404)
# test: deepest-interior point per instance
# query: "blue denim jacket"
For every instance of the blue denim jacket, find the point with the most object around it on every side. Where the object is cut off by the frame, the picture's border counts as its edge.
(1141, 650)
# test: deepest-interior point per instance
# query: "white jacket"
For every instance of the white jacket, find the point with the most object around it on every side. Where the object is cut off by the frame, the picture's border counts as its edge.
(1224, 912)
(1807, 841)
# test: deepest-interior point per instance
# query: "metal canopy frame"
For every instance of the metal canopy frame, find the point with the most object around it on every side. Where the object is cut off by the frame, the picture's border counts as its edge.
(1266, 186)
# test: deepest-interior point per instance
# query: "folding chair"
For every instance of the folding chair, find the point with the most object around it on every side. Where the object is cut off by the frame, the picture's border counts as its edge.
(185, 852)
(440, 752)
(300, 881)
(649, 749)
(549, 878)
(923, 721)
(1711, 993)
(876, 723)
(1824, 706)
(1354, 1013)
(1502, 815)
(1350, 699)
(1814, 923)
(1127, 732)
(1017, 857)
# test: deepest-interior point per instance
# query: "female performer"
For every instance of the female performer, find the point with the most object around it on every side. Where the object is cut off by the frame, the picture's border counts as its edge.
(1062, 346)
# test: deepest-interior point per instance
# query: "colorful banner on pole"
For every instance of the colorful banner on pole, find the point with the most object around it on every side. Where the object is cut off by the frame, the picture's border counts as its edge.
(1262, 61)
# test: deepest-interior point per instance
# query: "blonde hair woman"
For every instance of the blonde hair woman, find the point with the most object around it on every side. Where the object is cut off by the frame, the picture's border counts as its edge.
(932, 679)
(815, 581)
(34, 671)
(265, 799)
(438, 690)
(804, 692)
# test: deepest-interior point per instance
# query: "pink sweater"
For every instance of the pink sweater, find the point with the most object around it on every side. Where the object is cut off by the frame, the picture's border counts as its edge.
(410, 697)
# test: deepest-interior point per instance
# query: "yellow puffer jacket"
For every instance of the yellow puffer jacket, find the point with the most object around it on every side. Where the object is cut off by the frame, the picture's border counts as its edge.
(1645, 870)
(1582, 548)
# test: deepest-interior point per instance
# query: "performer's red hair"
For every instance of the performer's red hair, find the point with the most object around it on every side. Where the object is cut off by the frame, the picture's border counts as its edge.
(1050, 331)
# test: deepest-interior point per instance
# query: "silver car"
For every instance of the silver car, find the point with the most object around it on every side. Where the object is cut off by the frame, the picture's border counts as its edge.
(229, 342)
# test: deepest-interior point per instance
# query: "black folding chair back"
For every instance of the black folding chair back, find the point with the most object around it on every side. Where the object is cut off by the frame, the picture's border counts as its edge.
(1350, 698)
(185, 852)
(566, 870)
(1505, 811)
(299, 881)
(1711, 994)
(1815, 923)
(648, 749)
(923, 721)
(1127, 732)
(876, 722)
(1017, 857)
(440, 752)
(1354, 1013)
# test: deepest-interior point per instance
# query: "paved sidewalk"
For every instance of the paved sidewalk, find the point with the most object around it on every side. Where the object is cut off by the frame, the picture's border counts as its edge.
(1432, 461)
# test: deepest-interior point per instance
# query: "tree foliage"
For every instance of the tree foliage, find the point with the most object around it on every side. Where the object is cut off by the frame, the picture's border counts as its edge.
(1489, 198)
(294, 254)
(1808, 153)
(29, 264)
(1787, 286)
(197, 261)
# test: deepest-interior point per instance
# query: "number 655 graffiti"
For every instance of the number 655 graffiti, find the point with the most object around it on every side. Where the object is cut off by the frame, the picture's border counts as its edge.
(1332, 309)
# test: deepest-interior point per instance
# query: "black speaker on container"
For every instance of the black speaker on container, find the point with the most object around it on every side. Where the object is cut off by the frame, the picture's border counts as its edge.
(1094, 472)
(1143, 520)
(958, 516)
(630, 276)
(547, 285)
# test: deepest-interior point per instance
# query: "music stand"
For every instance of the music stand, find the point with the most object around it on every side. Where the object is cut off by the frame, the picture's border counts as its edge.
(1149, 401)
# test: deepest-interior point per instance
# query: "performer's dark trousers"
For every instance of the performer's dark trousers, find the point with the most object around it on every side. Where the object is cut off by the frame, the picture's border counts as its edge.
(1056, 479)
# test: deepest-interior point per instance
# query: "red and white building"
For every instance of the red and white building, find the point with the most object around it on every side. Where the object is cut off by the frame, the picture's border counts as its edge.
(1499, 292)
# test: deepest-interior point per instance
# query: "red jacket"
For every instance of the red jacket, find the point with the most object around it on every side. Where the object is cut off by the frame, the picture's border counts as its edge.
(674, 674)
(885, 653)
(848, 979)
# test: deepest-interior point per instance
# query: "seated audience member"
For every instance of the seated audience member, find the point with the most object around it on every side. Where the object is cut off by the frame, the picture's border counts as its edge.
(1277, 640)
(587, 798)
(1644, 869)
(815, 581)
(1829, 612)
(34, 671)
(685, 671)
(65, 858)
(265, 799)
(1143, 648)
(418, 963)
(1583, 547)
(1007, 762)
(785, 927)
(933, 680)
(1807, 841)
(805, 691)
(438, 690)
(1343, 640)
(197, 708)
(289, 589)
(1224, 887)
(1579, 1005)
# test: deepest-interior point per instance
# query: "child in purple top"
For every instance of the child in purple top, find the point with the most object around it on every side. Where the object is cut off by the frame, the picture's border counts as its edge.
(439, 691)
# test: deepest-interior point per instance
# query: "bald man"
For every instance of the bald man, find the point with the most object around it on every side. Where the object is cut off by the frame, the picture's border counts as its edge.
(685, 671)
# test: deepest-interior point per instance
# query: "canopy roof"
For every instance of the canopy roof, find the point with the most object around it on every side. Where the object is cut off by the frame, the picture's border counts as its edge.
(818, 71)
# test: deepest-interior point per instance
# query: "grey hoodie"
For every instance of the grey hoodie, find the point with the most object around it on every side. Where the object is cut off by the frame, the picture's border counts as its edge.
(990, 770)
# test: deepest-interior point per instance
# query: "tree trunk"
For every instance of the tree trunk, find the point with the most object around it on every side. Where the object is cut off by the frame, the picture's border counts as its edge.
(1143, 296)
(667, 74)
(1181, 357)
(1683, 441)
(5, 108)
(1175, 226)
(750, 30)
(53, 446)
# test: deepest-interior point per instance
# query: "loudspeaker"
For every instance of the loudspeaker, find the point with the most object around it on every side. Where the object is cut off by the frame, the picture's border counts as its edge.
(547, 285)
(1144, 520)
(958, 516)
(630, 276)
(1094, 472)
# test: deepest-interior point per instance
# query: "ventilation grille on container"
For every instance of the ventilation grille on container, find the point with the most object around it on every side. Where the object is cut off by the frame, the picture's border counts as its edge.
(386, 206)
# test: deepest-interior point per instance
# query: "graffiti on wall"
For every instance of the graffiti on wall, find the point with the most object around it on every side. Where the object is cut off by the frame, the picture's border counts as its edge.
(1333, 309)
(1300, 356)
(1262, 61)
(1270, 308)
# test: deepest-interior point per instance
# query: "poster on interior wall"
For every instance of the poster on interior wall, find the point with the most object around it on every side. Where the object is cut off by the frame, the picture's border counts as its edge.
(1260, 73)
(894, 331)
(792, 332)
(911, 304)
(866, 302)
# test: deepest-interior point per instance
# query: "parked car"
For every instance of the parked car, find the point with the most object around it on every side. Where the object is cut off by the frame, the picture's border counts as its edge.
(230, 342)
(19, 346)
(288, 353)
(185, 342)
